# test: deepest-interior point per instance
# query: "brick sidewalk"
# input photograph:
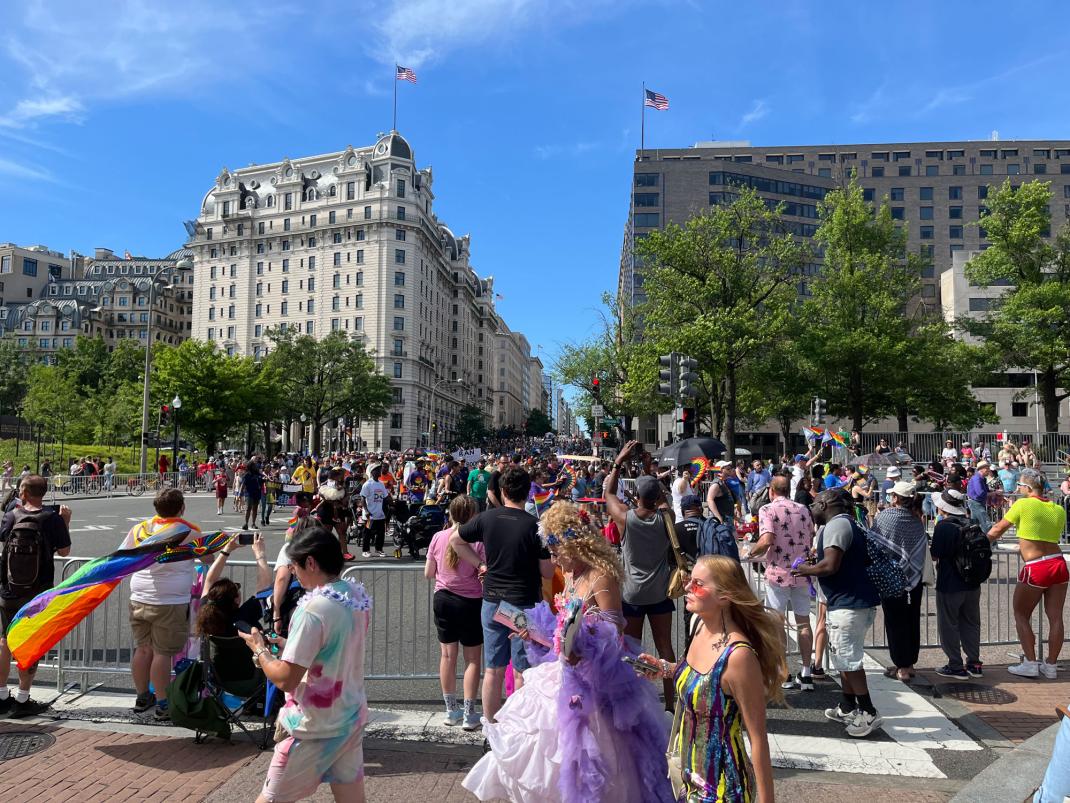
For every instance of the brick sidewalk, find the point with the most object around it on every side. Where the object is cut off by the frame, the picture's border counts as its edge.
(1016, 708)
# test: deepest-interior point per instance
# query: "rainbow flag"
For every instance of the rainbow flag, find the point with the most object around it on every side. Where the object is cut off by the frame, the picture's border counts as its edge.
(432, 454)
(542, 498)
(572, 475)
(699, 468)
(51, 615)
(813, 433)
(833, 437)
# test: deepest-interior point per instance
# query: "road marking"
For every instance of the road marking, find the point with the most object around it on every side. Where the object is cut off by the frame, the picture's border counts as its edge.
(850, 755)
(91, 528)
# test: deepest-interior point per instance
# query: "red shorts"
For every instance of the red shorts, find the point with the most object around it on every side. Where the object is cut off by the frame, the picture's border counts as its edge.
(1045, 572)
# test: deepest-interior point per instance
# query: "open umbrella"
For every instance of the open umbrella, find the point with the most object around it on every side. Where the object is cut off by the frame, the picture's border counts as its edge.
(874, 459)
(683, 452)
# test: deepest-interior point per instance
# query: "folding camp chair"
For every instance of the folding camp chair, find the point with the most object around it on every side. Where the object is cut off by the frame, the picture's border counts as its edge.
(229, 672)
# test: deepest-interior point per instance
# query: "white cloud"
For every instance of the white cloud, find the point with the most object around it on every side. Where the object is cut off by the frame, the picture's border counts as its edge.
(757, 111)
(22, 170)
(84, 53)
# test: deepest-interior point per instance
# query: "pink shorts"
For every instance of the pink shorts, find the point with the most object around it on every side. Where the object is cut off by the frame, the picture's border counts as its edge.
(1045, 572)
(299, 766)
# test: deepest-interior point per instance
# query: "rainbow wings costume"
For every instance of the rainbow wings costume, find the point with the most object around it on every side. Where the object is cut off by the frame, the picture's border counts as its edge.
(51, 615)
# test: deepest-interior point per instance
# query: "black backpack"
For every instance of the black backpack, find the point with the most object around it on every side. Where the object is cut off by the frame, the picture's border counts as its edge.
(973, 555)
(24, 551)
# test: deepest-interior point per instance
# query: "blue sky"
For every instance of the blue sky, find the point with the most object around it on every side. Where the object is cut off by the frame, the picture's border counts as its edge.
(115, 117)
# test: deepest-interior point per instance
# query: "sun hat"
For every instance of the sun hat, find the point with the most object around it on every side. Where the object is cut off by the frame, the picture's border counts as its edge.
(952, 502)
(984, 464)
(893, 472)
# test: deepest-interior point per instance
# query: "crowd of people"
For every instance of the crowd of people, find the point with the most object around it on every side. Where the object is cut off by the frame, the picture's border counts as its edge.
(546, 571)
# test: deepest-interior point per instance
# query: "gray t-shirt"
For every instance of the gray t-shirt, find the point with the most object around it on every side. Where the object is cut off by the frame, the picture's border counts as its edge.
(645, 555)
(838, 533)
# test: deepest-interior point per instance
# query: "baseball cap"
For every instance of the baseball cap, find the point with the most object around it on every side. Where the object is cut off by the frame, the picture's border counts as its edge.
(648, 489)
(904, 489)
(799, 458)
(722, 464)
(690, 501)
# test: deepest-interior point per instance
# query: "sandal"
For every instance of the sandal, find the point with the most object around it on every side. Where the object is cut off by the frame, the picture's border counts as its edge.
(891, 672)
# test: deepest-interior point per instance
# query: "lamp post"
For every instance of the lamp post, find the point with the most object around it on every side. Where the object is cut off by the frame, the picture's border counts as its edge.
(304, 418)
(431, 427)
(183, 264)
(176, 404)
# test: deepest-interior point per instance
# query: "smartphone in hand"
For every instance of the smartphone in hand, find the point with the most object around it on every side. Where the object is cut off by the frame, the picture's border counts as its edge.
(245, 538)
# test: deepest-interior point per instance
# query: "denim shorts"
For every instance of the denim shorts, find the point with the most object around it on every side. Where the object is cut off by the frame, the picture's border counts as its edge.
(498, 648)
(847, 634)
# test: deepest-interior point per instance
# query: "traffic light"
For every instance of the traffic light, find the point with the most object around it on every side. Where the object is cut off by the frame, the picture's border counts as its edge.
(667, 379)
(820, 410)
(165, 413)
(688, 421)
(687, 377)
(596, 388)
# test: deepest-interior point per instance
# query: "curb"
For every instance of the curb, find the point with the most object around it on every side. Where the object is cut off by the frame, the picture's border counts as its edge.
(1015, 775)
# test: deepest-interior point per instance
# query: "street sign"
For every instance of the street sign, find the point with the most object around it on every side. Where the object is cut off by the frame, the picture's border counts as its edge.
(610, 422)
(597, 410)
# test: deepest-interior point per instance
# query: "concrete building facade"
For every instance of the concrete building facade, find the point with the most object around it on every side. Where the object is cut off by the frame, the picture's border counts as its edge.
(349, 242)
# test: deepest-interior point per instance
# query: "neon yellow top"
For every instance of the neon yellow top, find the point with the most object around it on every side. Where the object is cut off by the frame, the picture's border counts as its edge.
(1037, 519)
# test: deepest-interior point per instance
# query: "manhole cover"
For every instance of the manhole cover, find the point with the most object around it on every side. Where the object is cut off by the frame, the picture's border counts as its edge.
(981, 695)
(24, 743)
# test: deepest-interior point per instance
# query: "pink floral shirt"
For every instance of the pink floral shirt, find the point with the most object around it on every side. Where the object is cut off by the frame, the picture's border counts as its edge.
(793, 533)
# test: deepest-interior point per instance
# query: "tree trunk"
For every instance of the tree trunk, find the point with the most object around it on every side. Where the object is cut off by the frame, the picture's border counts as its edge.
(316, 430)
(855, 397)
(901, 419)
(730, 413)
(1049, 398)
(785, 431)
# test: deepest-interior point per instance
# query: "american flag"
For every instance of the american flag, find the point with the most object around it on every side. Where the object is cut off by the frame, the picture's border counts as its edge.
(656, 100)
(405, 74)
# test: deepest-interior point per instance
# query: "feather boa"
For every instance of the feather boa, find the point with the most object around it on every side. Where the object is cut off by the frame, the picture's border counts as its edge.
(600, 681)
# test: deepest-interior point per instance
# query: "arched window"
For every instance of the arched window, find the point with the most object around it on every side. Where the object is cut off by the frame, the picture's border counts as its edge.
(333, 191)
(270, 200)
(310, 194)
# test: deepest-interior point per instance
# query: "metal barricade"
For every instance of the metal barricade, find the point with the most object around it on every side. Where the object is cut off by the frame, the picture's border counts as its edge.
(102, 643)
(65, 486)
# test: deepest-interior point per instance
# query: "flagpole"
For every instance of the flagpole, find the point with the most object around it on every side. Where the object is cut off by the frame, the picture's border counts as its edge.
(642, 124)
(394, 125)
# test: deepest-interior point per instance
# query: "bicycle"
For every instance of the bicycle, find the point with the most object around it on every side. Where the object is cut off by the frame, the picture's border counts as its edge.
(136, 487)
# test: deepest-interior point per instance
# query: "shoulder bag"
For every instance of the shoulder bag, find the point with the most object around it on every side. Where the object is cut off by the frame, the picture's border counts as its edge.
(672, 752)
(681, 575)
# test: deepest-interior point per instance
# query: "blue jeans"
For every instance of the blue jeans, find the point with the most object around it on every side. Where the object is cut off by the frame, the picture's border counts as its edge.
(498, 648)
(979, 513)
(1056, 785)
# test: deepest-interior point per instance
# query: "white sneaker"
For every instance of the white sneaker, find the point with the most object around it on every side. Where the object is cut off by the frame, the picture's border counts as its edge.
(863, 723)
(380, 554)
(1049, 670)
(366, 554)
(1026, 669)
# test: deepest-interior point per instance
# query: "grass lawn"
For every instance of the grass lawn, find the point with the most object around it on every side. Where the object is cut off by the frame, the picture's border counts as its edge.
(126, 457)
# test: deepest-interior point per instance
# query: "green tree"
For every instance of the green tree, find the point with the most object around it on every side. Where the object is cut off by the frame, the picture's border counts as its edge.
(86, 362)
(326, 379)
(1029, 328)
(53, 402)
(721, 289)
(537, 424)
(858, 318)
(471, 425)
(14, 374)
(217, 391)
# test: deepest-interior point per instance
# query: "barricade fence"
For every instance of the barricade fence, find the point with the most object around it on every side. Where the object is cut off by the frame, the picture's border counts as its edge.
(402, 642)
(62, 486)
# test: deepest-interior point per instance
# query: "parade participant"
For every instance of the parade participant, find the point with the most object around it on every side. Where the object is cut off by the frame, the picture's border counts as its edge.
(221, 487)
(1039, 524)
(584, 728)
(734, 665)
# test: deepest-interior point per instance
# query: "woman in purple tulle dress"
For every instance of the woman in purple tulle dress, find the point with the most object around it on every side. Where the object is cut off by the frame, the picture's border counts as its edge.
(584, 727)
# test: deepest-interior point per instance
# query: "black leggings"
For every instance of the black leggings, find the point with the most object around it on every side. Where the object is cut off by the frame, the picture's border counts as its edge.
(902, 623)
(378, 529)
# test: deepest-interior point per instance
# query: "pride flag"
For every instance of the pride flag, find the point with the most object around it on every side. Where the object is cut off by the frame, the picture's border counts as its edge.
(571, 474)
(542, 498)
(699, 468)
(51, 615)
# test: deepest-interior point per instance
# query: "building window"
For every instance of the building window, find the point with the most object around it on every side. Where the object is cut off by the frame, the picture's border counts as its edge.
(1019, 409)
(360, 235)
(897, 213)
(399, 235)
(284, 308)
(351, 190)
(399, 278)
(1012, 170)
(337, 258)
(399, 256)
(958, 170)
(29, 267)
(647, 220)
(925, 213)
(286, 285)
(311, 263)
(288, 201)
(360, 256)
(928, 291)
(925, 233)
(1040, 169)
(399, 323)
(400, 188)
(399, 301)
(877, 172)
(932, 170)
(925, 193)
(397, 370)
(867, 194)
(336, 281)
(980, 304)
(311, 283)
(825, 172)
(311, 242)
(954, 232)
(647, 199)
(986, 170)
(359, 278)
(897, 194)
(982, 191)
(401, 213)
(651, 179)
(954, 212)
(358, 301)
(358, 323)
(399, 348)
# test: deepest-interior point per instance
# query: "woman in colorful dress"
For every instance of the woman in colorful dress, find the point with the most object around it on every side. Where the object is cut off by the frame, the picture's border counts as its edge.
(734, 665)
(584, 727)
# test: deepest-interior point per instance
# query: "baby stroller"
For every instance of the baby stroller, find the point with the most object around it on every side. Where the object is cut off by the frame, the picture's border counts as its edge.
(415, 532)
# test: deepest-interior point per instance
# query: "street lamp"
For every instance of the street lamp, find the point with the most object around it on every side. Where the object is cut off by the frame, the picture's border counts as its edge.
(183, 264)
(304, 418)
(431, 427)
(176, 404)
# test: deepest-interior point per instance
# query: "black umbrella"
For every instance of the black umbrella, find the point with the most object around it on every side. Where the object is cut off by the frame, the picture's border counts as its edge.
(683, 452)
(874, 459)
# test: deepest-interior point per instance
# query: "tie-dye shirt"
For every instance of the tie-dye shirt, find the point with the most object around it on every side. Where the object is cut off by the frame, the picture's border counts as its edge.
(327, 635)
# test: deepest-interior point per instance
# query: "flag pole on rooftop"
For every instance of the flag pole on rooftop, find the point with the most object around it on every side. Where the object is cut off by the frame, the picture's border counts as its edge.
(642, 124)
(394, 124)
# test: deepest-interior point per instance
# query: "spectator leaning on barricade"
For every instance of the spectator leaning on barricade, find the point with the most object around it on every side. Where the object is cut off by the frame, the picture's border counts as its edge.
(32, 534)
(159, 606)
(852, 606)
(958, 600)
(1039, 524)
(902, 525)
(786, 532)
(977, 496)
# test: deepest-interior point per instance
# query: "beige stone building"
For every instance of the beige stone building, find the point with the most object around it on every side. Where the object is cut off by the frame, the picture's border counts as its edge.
(349, 242)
